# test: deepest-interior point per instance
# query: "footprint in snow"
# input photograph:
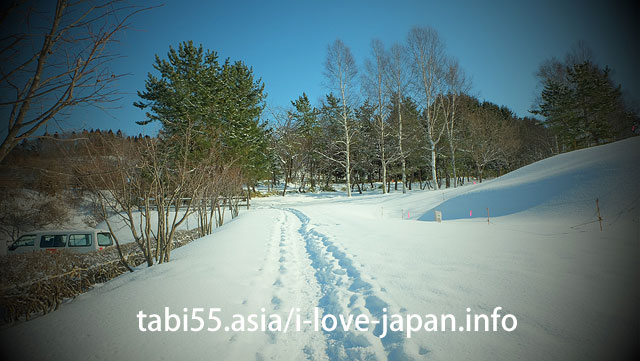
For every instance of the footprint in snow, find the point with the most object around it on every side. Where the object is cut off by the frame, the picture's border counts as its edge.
(275, 301)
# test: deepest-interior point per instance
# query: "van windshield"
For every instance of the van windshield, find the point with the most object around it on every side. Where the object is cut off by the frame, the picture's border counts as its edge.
(104, 239)
(57, 240)
(26, 240)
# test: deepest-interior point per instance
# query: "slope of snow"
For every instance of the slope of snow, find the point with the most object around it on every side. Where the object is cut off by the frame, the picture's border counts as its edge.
(567, 184)
(573, 289)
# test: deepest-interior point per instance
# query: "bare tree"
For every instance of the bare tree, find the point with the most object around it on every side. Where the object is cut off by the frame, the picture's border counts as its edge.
(152, 185)
(287, 146)
(397, 80)
(427, 50)
(490, 138)
(456, 84)
(25, 210)
(341, 71)
(222, 183)
(52, 59)
(376, 88)
(112, 176)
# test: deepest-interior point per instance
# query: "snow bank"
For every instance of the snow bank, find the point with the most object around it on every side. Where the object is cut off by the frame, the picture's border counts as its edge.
(567, 184)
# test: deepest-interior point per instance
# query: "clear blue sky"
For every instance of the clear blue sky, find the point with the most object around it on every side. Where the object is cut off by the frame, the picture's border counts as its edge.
(500, 44)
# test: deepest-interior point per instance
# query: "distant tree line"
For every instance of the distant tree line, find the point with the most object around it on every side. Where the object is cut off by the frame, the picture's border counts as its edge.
(408, 117)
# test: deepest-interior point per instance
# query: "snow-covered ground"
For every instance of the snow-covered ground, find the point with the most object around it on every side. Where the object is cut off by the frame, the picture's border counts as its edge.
(542, 258)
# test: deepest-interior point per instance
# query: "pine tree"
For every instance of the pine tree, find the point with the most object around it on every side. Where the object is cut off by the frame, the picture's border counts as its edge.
(594, 98)
(305, 118)
(578, 107)
(183, 98)
(218, 105)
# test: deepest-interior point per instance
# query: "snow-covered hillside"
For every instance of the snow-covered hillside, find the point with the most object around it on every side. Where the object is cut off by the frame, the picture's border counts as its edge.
(565, 185)
(572, 288)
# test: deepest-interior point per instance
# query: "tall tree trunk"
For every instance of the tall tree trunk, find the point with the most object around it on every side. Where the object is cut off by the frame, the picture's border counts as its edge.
(382, 155)
(248, 196)
(284, 190)
(301, 188)
(453, 165)
(347, 167)
(433, 163)
(402, 158)
(384, 172)
(480, 169)
(287, 177)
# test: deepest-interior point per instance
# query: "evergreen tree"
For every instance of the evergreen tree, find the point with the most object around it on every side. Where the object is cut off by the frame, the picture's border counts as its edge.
(305, 118)
(219, 106)
(578, 107)
(183, 98)
(366, 146)
(328, 147)
(594, 98)
(243, 134)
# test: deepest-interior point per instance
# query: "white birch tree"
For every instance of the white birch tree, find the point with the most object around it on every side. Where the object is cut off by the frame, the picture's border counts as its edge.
(340, 72)
(456, 84)
(376, 89)
(428, 59)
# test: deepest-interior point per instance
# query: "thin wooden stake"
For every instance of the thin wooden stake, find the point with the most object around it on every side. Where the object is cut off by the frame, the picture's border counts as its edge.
(488, 216)
(599, 218)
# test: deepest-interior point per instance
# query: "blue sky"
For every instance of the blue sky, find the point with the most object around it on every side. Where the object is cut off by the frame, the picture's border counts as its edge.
(500, 44)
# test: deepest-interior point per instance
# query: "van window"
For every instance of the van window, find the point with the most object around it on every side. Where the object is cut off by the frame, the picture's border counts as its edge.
(104, 239)
(58, 240)
(26, 240)
(79, 240)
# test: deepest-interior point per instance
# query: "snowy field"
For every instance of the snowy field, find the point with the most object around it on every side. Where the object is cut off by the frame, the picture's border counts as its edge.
(541, 257)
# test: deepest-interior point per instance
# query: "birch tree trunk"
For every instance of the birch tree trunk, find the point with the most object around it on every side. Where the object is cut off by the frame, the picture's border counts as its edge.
(427, 50)
(340, 71)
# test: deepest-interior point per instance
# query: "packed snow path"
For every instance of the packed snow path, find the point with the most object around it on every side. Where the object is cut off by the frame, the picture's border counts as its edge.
(268, 259)
(571, 292)
(345, 292)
